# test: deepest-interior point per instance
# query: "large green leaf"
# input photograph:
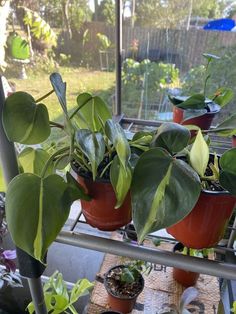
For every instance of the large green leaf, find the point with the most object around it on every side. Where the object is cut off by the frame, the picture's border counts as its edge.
(164, 190)
(34, 160)
(227, 127)
(120, 180)
(36, 210)
(60, 89)
(92, 114)
(93, 146)
(25, 121)
(228, 171)
(196, 101)
(171, 136)
(116, 135)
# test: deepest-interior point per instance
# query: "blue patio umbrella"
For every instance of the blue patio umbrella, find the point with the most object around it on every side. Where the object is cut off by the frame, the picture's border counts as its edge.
(220, 25)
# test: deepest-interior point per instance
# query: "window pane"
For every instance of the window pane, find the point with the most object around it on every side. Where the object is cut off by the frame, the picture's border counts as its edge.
(163, 44)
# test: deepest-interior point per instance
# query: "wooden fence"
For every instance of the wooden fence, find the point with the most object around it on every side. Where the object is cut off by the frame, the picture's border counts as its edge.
(182, 47)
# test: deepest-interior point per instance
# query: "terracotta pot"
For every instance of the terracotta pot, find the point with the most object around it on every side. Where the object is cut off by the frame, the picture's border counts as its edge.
(234, 141)
(110, 312)
(184, 277)
(100, 212)
(121, 304)
(203, 122)
(204, 227)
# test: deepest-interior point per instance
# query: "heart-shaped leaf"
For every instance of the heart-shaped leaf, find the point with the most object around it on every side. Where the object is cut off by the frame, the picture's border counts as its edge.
(60, 89)
(120, 180)
(227, 127)
(93, 146)
(171, 136)
(34, 160)
(199, 154)
(210, 56)
(25, 121)
(228, 171)
(36, 210)
(196, 101)
(176, 100)
(116, 135)
(92, 114)
(164, 190)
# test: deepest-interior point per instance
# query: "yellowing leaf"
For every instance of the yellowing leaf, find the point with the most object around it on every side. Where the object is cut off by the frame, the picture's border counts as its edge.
(199, 154)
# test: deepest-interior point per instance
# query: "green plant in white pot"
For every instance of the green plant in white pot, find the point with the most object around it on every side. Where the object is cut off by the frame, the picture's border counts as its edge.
(38, 201)
(179, 179)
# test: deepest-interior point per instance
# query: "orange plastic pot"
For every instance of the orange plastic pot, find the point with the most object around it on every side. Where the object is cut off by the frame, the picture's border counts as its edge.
(204, 227)
(184, 277)
(100, 212)
(121, 304)
(203, 122)
(234, 141)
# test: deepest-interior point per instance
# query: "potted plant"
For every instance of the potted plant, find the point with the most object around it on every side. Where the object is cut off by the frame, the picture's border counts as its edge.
(39, 200)
(57, 297)
(198, 109)
(184, 277)
(123, 284)
(183, 188)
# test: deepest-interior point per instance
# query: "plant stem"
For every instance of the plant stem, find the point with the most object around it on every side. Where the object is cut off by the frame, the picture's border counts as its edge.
(51, 159)
(77, 109)
(57, 125)
(45, 96)
(104, 170)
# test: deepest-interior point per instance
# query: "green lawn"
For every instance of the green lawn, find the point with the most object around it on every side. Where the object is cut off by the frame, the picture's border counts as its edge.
(2, 184)
(78, 80)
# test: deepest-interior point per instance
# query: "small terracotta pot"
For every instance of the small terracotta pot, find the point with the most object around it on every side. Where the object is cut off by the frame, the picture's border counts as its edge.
(123, 305)
(203, 122)
(110, 312)
(184, 277)
(204, 227)
(234, 141)
(100, 212)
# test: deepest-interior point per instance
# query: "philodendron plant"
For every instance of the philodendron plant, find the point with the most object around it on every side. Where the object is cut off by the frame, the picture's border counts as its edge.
(38, 200)
(199, 104)
(169, 177)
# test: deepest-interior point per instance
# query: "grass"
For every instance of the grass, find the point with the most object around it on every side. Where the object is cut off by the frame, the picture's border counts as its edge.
(78, 80)
(2, 184)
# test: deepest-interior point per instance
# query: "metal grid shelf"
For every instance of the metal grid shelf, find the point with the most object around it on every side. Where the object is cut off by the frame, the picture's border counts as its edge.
(218, 268)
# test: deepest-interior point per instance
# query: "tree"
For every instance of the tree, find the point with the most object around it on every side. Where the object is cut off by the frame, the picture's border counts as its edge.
(175, 13)
(4, 12)
(106, 12)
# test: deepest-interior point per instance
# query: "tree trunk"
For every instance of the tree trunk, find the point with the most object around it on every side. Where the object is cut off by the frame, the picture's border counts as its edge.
(4, 12)
(65, 16)
(95, 10)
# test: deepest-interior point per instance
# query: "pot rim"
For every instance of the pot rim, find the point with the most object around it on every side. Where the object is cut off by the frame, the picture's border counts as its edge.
(217, 193)
(122, 297)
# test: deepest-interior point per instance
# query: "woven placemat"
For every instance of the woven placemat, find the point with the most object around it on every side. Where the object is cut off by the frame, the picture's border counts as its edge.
(160, 288)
